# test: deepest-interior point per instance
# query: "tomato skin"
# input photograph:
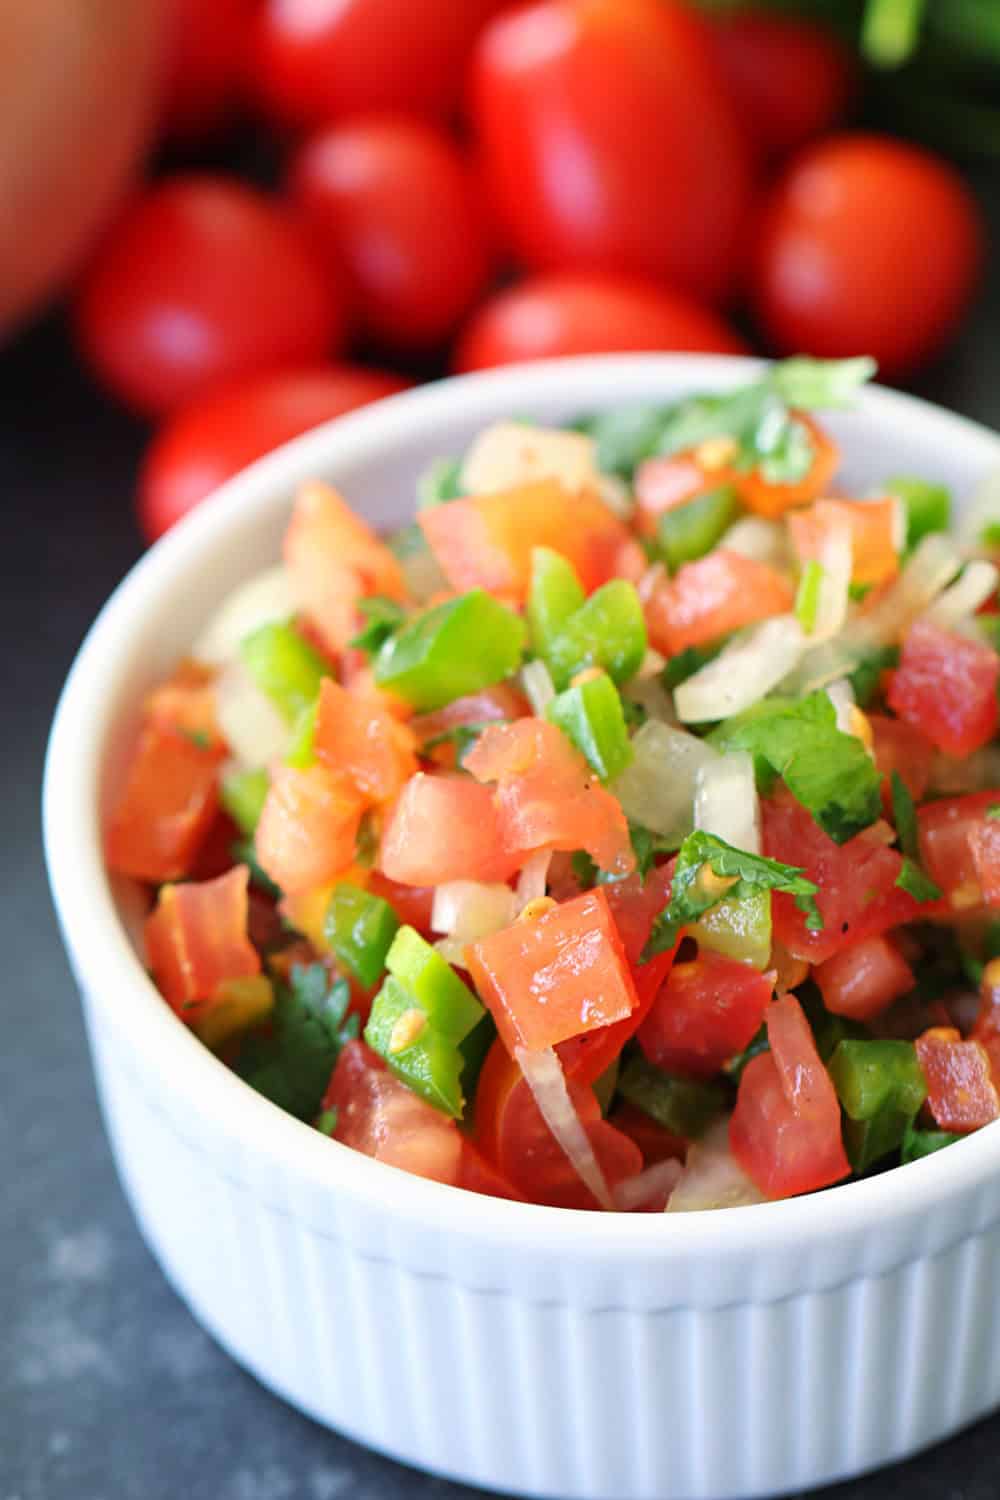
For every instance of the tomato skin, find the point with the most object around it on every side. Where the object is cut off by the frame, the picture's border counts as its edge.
(200, 281)
(380, 1116)
(960, 1091)
(946, 687)
(206, 65)
(836, 274)
(168, 802)
(863, 980)
(573, 312)
(196, 937)
(709, 598)
(209, 440)
(412, 904)
(709, 1009)
(791, 78)
(395, 208)
(334, 59)
(957, 847)
(581, 105)
(444, 828)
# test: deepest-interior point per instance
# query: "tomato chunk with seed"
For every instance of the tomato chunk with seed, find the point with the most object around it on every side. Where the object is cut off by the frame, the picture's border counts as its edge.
(873, 526)
(167, 807)
(359, 737)
(380, 1116)
(959, 849)
(444, 828)
(708, 1010)
(308, 828)
(713, 596)
(946, 686)
(554, 977)
(196, 937)
(961, 1094)
(785, 1129)
(862, 981)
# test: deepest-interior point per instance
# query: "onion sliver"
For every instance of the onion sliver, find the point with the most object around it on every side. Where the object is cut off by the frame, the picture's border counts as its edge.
(539, 689)
(836, 559)
(726, 802)
(743, 673)
(932, 567)
(544, 1076)
(265, 597)
(763, 541)
(509, 454)
(841, 695)
(960, 601)
(654, 1184)
(251, 726)
(657, 789)
(533, 879)
(467, 910)
(712, 1177)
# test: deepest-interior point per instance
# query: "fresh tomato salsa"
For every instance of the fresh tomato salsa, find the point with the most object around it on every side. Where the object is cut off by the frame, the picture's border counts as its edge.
(623, 833)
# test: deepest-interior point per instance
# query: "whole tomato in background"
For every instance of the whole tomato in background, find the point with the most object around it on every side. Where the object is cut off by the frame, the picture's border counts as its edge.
(610, 142)
(317, 61)
(201, 280)
(866, 245)
(397, 210)
(79, 95)
(207, 47)
(208, 442)
(571, 312)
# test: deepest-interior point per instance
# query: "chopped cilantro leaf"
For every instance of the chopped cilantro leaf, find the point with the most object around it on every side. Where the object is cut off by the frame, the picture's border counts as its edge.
(383, 617)
(912, 879)
(904, 815)
(290, 1061)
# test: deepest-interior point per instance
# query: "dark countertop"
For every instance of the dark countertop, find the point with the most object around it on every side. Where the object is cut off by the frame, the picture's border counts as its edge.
(108, 1389)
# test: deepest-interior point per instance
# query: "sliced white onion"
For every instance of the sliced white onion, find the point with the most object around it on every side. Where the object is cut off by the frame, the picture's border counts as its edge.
(468, 910)
(539, 689)
(982, 511)
(265, 597)
(509, 454)
(654, 1185)
(726, 802)
(763, 541)
(712, 1178)
(743, 673)
(452, 951)
(819, 666)
(545, 1078)
(657, 789)
(841, 695)
(836, 558)
(975, 584)
(935, 562)
(899, 522)
(423, 574)
(653, 697)
(652, 664)
(251, 726)
(533, 879)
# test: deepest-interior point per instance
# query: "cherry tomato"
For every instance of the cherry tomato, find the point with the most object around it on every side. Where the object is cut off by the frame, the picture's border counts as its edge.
(202, 280)
(609, 140)
(207, 64)
(866, 246)
(791, 78)
(79, 92)
(572, 312)
(394, 205)
(322, 60)
(208, 442)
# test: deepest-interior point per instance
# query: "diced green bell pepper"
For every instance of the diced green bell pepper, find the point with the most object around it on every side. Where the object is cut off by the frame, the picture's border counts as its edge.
(739, 929)
(590, 715)
(918, 1143)
(243, 794)
(300, 749)
(555, 595)
(452, 650)
(927, 506)
(689, 531)
(684, 1106)
(359, 928)
(608, 631)
(880, 1086)
(284, 666)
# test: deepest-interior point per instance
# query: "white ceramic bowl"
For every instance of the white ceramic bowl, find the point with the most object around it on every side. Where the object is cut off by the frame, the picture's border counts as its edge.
(521, 1348)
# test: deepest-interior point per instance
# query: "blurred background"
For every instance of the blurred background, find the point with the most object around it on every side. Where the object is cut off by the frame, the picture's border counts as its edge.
(225, 221)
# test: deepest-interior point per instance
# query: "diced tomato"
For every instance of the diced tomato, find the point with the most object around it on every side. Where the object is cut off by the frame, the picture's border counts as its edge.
(379, 1115)
(186, 702)
(713, 596)
(510, 1132)
(335, 559)
(196, 937)
(785, 1129)
(708, 1010)
(168, 804)
(655, 1143)
(661, 484)
(358, 737)
(958, 848)
(946, 686)
(444, 828)
(545, 796)
(635, 903)
(308, 828)
(901, 748)
(862, 981)
(767, 499)
(873, 526)
(215, 852)
(412, 903)
(961, 1094)
(554, 977)
(487, 540)
(858, 896)
(492, 706)
(477, 1175)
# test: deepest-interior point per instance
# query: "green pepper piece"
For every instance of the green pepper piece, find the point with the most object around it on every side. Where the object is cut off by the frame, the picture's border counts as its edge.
(739, 929)
(300, 749)
(684, 1106)
(433, 984)
(359, 929)
(243, 794)
(689, 531)
(284, 666)
(608, 631)
(452, 650)
(880, 1086)
(918, 1143)
(556, 593)
(590, 715)
(927, 506)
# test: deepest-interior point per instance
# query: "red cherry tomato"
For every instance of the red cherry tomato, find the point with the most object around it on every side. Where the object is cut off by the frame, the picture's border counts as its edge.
(209, 441)
(207, 64)
(866, 246)
(395, 206)
(610, 141)
(575, 313)
(202, 280)
(323, 60)
(790, 78)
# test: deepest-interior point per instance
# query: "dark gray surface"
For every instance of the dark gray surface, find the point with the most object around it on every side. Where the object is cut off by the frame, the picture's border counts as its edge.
(108, 1388)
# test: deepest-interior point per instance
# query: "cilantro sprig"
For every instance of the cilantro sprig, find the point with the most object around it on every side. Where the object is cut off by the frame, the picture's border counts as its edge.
(290, 1061)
